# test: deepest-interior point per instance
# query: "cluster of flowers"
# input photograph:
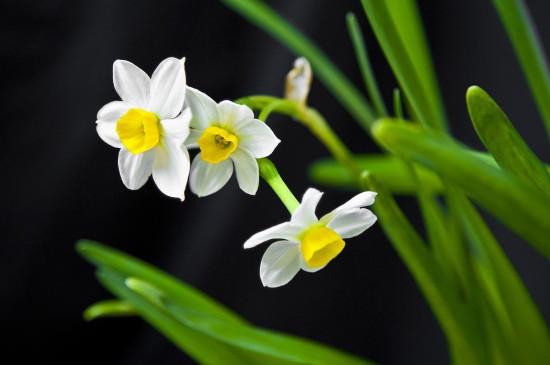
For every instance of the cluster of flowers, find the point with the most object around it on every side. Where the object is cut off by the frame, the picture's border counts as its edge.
(160, 118)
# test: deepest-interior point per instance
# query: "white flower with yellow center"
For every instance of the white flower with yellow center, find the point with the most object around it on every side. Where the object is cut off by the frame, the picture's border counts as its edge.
(148, 125)
(310, 243)
(227, 134)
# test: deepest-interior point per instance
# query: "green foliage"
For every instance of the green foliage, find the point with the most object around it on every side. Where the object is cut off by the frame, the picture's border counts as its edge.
(503, 141)
(517, 204)
(521, 31)
(206, 330)
(397, 27)
(390, 170)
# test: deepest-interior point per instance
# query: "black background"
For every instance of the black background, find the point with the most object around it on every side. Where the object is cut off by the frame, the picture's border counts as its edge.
(61, 182)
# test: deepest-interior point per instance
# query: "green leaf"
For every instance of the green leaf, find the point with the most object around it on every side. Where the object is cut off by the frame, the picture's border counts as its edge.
(262, 341)
(200, 347)
(398, 28)
(503, 141)
(390, 170)
(519, 320)
(521, 31)
(341, 88)
(365, 66)
(109, 308)
(209, 339)
(517, 204)
(452, 313)
(127, 265)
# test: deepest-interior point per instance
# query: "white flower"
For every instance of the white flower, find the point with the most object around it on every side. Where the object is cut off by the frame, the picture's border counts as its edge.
(310, 243)
(298, 81)
(148, 125)
(227, 134)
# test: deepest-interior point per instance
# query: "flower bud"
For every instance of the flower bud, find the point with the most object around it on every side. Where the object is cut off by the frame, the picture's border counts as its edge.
(298, 81)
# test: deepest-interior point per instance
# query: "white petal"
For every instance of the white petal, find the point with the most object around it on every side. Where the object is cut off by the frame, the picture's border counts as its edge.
(234, 116)
(280, 263)
(304, 215)
(352, 222)
(135, 169)
(171, 167)
(258, 138)
(207, 178)
(177, 128)
(113, 111)
(247, 171)
(107, 132)
(192, 140)
(203, 108)
(168, 88)
(131, 83)
(284, 231)
(360, 200)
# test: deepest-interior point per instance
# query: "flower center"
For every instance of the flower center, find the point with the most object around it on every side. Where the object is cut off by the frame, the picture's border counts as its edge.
(217, 144)
(320, 245)
(138, 130)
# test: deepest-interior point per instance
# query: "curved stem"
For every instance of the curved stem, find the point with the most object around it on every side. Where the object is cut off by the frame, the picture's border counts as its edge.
(269, 173)
(309, 117)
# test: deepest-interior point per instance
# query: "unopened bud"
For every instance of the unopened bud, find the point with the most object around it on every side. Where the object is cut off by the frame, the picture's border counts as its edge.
(298, 81)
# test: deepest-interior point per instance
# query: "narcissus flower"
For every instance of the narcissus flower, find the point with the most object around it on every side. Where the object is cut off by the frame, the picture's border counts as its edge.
(148, 125)
(309, 243)
(227, 134)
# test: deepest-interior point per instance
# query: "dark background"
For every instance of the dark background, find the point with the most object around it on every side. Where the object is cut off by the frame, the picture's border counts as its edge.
(61, 182)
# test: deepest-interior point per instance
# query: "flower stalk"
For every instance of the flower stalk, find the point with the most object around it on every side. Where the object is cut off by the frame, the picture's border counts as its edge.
(309, 117)
(269, 173)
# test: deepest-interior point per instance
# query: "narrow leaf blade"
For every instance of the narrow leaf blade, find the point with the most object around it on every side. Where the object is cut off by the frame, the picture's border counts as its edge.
(503, 141)
(515, 203)
(523, 35)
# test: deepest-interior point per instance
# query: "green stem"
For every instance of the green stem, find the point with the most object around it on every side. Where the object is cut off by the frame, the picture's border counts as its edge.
(269, 173)
(309, 117)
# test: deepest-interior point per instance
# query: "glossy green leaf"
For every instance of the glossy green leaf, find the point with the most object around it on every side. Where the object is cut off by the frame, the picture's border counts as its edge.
(452, 314)
(365, 66)
(503, 141)
(341, 88)
(200, 347)
(517, 204)
(105, 256)
(198, 333)
(521, 31)
(519, 320)
(397, 26)
(263, 341)
(109, 308)
(244, 337)
(389, 170)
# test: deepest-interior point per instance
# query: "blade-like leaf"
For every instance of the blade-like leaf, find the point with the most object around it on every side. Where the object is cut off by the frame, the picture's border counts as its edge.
(521, 31)
(200, 347)
(407, 55)
(365, 66)
(519, 319)
(262, 341)
(408, 23)
(454, 317)
(516, 203)
(127, 265)
(198, 333)
(109, 308)
(391, 171)
(341, 88)
(503, 141)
